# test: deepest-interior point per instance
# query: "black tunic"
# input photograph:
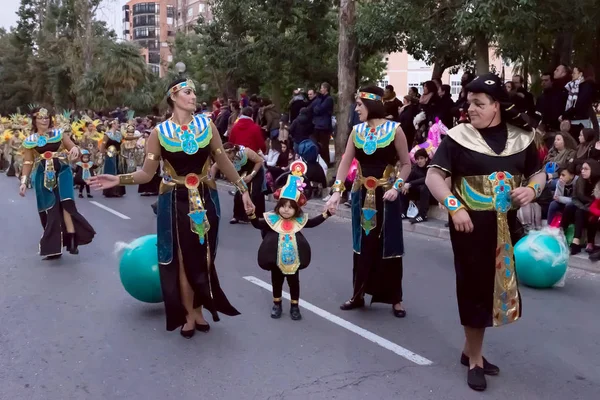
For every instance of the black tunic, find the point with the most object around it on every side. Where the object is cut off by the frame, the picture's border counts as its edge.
(268, 250)
(475, 253)
(114, 166)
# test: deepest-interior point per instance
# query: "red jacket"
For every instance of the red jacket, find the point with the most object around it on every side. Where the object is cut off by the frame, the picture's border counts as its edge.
(595, 208)
(246, 133)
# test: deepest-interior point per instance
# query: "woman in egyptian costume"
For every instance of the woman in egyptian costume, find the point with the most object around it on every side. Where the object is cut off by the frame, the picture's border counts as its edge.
(188, 210)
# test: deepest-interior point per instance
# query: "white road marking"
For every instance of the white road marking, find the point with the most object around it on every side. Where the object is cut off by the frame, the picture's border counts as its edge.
(370, 336)
(110, 210)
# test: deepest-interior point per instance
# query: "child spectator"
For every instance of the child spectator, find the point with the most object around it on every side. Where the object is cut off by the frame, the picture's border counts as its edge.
(415, 189)
(564, 191)
(595, 218)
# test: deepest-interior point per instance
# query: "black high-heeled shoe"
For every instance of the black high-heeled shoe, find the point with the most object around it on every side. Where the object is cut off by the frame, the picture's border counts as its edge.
(53, 257)
(202, 327)
(399, 313)
(72, 243)
(351, 305)
(187, 334)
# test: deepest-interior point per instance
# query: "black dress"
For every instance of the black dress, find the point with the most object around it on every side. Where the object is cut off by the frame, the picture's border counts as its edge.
(484, 166)
(177, 241)
(152, 186)
(378, 251)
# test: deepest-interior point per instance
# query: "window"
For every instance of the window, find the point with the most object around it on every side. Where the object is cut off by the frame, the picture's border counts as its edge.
(170, 12)
(455, 87)
(190, 12)
(153, 58)
(169, 58)
(145, 20)
(417, 85)
(155, 69)
(146, 8)
(201, 8)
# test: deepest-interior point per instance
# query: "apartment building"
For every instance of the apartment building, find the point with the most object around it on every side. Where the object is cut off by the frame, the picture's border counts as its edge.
(403, 72)
(188, 12)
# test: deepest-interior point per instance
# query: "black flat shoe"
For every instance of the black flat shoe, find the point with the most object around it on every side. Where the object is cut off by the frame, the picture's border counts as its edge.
(399, 313)
(54, 257)
(351, 305)
(89, 196)
(203, 327)
(276, 311)
(234, 221)
(72, 243)
(476, 379)
(80, 196)
(575, 248)
(295, 312)
(488, 367)
(187, 334)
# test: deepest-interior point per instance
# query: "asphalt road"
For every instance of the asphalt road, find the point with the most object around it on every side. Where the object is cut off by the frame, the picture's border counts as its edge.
(69, 331)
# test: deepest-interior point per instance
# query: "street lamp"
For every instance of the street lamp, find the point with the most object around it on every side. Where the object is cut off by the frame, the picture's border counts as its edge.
(180, 68)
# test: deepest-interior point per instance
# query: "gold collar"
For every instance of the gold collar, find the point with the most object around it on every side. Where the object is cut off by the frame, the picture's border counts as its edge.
(467, 136)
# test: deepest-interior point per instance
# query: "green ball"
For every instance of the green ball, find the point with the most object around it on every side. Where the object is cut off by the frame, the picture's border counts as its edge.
(138, 269)
(540, 259)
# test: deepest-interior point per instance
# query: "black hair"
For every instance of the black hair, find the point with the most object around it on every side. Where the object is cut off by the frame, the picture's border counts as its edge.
(431, 86)
(247, 111)
(447, 90)
(33, 119)
(174, 83)
(520, 78)
(87, 124)
(421, 153)
(374, 108)
(570, 168)
(589, 134)
(550, 74)
(229, 147)
(390, 88)
(281, 202)
(254, 98)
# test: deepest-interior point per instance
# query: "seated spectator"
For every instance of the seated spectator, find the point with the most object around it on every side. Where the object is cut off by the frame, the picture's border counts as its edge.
(587, 139)
(415, 189)
(247, 133)
(577, 211)
(278, 159)
(564, 191)
(559, 156)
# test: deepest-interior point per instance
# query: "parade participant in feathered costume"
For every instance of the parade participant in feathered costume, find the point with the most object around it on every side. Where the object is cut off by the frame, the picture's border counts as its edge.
(46, 160)
(284, 250)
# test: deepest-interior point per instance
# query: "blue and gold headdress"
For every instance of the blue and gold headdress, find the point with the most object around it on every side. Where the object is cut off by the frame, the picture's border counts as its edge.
(293, 188)
(42, 112)
(182, 85)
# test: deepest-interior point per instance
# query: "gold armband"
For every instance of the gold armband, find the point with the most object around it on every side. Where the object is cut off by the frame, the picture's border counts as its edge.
(217, 151)
(24, 179)
(27, 162)
(241, 186)
(453, 205)
(252, 216)
(338, 186)
(153, 157)
(126, 179)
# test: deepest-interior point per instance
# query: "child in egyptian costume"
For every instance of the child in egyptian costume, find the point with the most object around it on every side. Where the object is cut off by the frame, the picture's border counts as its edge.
(84, 170)
(284, 250)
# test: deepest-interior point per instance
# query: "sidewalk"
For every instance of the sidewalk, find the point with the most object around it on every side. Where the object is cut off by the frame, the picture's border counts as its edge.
(434, 227)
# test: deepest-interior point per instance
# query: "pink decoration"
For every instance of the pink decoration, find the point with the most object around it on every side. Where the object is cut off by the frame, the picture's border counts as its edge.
(434, 138)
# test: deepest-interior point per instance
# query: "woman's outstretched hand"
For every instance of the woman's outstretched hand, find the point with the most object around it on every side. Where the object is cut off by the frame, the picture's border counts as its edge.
(102, 182)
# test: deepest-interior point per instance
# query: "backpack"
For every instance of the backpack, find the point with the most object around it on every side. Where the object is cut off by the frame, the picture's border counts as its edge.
(308, 150)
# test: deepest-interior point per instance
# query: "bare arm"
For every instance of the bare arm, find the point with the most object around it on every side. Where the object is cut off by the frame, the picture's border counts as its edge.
(28, 158)
(68, 142)
(222, 162)
(346, 162)
(151, 164)
(436, 183)
(402, 150)
(103, 144)
(256, 159)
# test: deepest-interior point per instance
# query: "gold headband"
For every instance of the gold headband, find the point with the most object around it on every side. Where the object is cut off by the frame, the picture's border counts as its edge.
(368, 96)
(41, 113)
(187, 84)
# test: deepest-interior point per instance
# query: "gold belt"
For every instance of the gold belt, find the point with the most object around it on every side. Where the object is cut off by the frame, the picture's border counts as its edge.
(368, 219)
(197, 213)
(50, 178)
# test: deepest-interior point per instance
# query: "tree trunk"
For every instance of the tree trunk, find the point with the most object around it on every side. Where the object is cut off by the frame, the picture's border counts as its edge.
(347, 73)
(482, 54)
(438, 71)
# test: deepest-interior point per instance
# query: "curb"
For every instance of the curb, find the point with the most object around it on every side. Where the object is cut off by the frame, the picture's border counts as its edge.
(433, 228)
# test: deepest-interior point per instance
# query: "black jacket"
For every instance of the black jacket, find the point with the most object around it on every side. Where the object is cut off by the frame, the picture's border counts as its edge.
(302, 127)
(445, 110)
(583, 106)
(417, 175)
(551, 104)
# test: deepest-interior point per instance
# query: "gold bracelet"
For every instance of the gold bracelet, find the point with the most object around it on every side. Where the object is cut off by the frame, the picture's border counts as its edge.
(338, 186)
(24, 179)
(325, 214)
(252, 216)
(153, 157)
(27, 162)
(126, 179)
(537, 190)
(241, 186)
(453, 205)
